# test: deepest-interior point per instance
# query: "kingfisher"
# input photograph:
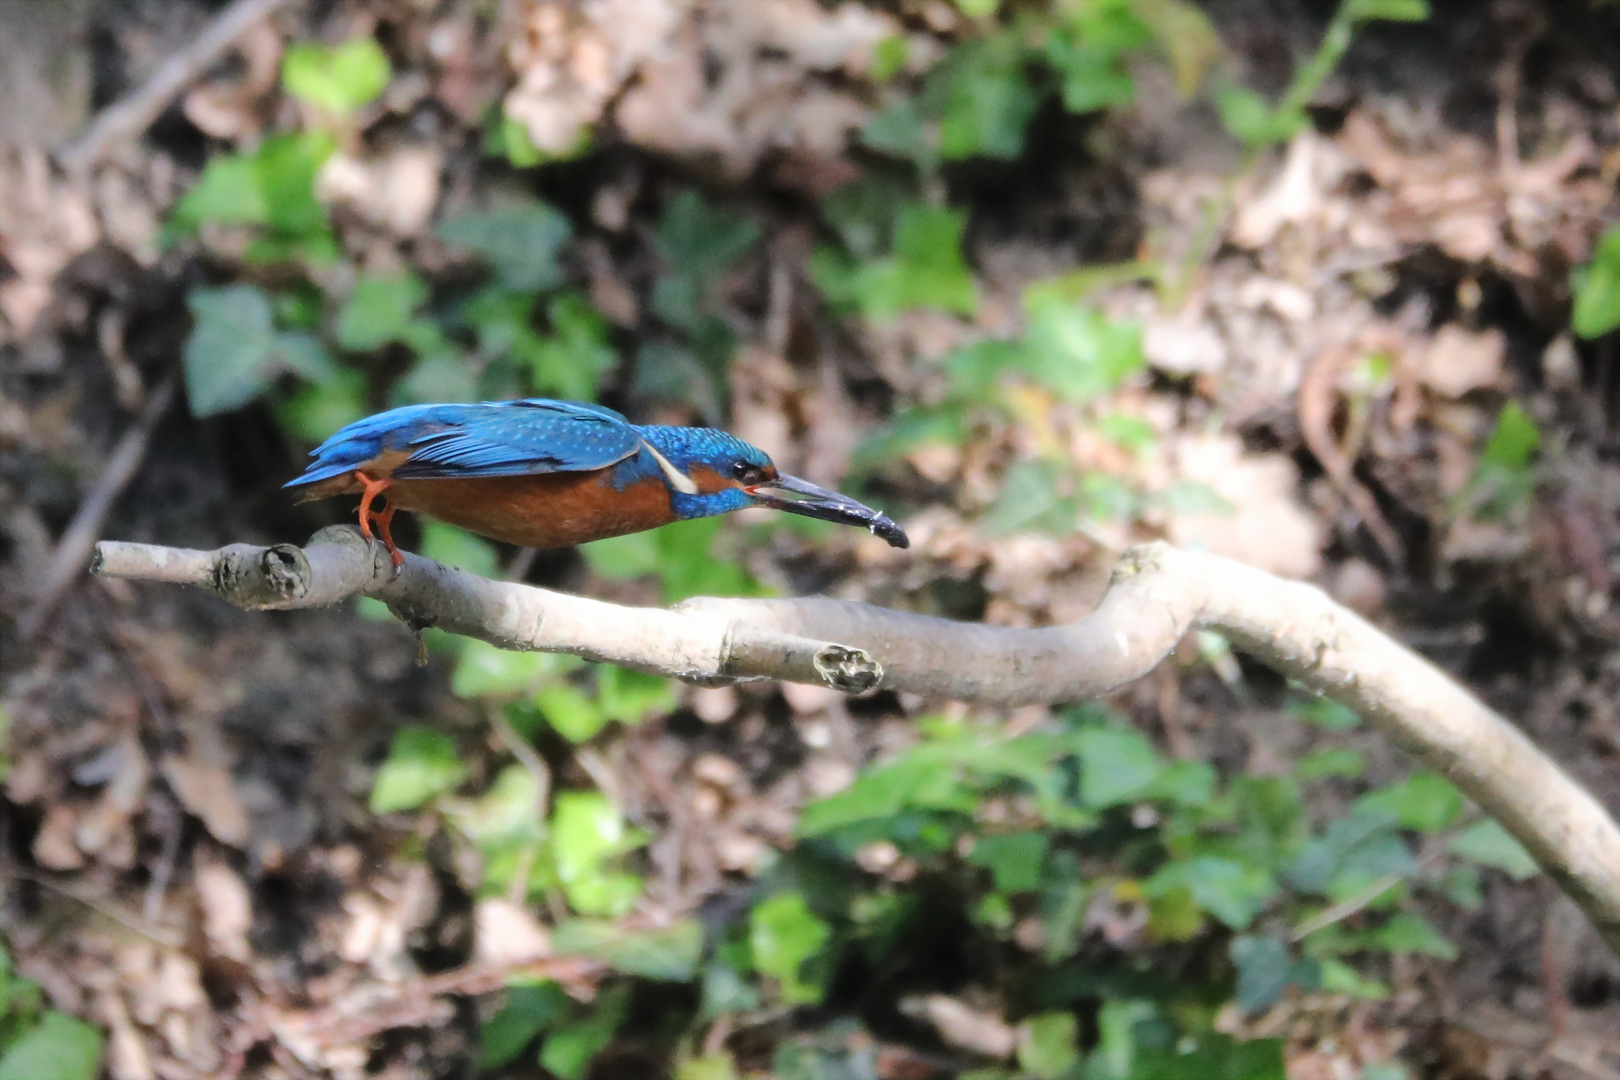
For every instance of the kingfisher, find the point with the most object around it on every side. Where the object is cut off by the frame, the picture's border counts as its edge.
(546, 474)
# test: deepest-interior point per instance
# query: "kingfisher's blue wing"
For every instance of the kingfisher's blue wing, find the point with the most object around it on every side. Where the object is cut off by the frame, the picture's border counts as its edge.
(494, 438)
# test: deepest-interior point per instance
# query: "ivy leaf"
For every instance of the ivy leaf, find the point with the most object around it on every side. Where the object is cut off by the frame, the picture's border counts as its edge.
(1254, 121)
(988, 101)
(521, 243)
(926, 269)
(529, 1010)
(667, 953)
(379, 310)
(1049, 1045)
(1014, 861)
(1488, 844)
(1232, 892)
(699, 241)
(340, 79)
(483, 670)
(786, 935)
(569, 1050)
(1391, 10)
(588, 832)
(422, 764)
(227, 352)
(1266, 969)
(59, 1047)
(1409, 932)
(1117, 765)
(571, 363)
(1426, 802)
(274, 187)
(1597, 289)
(1078, 353)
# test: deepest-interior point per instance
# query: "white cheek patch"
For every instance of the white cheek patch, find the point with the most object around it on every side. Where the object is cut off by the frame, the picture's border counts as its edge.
(677, 479)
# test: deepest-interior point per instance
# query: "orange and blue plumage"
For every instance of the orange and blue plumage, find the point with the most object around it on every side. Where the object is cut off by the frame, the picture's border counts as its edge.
(545, 474)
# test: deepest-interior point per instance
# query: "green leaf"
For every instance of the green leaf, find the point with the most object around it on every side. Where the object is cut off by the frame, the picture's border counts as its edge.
(227, 355)
(1254, 121)
(978, 9)
(459, 548)
(1364, 843)
(1325, 713)
(1213, 1057)
(1331, 762)
(632, 696)
(926, 269)
(1049, 1045)
(699, 242)
(422, 764)
(1488, 844)
(883, 792)
(59, 1047)
(588, 832)
(1504, 478)
(1231, 891)
(571, 362)
(621, 558)
(568, 1052)
(570, 712)
(505, 815)
(667, 953)
(1424, 801)
(445, 377)
(484, 670)
(988, 103)
(1265, 969)
(529, 1010)
(1078, 353)
(521, 243)
(1513, 442)
(379, 310)
(1392, 10)
(786, 935)
(1014, 860)
(1409, 932)
(1340, 978)
(1597, 289)
(709, 1067)
(274, 186)
(341, 79)
(1118, 765)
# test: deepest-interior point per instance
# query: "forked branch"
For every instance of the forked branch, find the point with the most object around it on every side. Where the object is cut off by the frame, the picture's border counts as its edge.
(1158, 594)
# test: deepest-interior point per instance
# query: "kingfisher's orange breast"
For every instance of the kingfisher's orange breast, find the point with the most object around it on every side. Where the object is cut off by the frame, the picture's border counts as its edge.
(546, 511)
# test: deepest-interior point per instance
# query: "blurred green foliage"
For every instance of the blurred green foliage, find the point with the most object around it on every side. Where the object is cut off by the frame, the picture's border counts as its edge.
(1597, 289)
(36, 1042)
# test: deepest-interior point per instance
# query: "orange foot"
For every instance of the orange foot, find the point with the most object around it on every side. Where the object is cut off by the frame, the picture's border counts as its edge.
(384, 519)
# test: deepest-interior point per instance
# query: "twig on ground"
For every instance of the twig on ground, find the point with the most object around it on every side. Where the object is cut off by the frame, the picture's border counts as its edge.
(74, 548)
(126, 119)
(1158, 594)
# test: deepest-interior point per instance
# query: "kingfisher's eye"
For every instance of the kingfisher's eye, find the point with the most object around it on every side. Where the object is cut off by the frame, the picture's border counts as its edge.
(746, 473)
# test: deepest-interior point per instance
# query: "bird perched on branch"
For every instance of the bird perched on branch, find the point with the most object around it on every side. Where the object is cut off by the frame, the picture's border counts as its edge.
(546, 474)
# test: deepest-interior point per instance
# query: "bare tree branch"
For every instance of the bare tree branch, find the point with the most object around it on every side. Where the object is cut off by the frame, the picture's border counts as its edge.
(128, 118)
(1158, 594)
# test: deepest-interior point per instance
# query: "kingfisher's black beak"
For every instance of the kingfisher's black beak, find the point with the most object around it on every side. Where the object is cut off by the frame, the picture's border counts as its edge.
(818, 502)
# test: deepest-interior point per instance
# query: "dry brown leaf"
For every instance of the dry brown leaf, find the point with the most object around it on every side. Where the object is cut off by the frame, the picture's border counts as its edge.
(205, 788)
(1265, 527)
(507, 933)
(227, 909)
(397, 190)
(965, 1027)
(1457, 361)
